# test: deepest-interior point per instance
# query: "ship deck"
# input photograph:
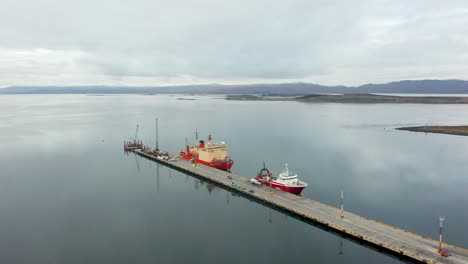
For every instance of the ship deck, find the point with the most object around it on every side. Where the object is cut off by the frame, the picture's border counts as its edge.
(391, 240)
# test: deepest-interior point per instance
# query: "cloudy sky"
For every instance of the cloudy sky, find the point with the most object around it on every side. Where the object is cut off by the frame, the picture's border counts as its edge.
(155, 42)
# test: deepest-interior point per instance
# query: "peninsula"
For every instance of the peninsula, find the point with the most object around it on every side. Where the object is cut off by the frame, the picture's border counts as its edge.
(356, 99)
(452, 130)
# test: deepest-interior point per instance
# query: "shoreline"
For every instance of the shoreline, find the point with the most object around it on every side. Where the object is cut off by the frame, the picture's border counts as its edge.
(449, 130)
(355, 99)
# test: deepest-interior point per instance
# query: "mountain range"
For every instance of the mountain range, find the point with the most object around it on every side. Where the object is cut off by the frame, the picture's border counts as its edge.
(406, 86)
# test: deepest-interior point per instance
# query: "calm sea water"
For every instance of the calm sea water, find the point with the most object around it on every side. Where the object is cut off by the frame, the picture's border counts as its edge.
(68, 193)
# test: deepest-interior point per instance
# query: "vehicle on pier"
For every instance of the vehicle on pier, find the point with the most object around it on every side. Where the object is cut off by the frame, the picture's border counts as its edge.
(255, 181)
(210, 154)
(286, 181)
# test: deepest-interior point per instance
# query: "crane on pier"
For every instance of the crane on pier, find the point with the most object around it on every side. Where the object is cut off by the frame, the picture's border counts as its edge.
(136, 144)
(136, 135)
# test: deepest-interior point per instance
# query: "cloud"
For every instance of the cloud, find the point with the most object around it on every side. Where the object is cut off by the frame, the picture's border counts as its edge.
(173, 42)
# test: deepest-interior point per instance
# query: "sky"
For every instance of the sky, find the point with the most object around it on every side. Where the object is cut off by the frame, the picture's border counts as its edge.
(154, 42)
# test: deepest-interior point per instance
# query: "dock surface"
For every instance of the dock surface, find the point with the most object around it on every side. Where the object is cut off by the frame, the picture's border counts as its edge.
(396, 241)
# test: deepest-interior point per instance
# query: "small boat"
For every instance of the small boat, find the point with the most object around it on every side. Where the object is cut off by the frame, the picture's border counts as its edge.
(286, 181)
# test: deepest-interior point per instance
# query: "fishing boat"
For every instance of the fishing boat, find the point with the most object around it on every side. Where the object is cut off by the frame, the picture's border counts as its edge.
(210, 154)
(286, 181)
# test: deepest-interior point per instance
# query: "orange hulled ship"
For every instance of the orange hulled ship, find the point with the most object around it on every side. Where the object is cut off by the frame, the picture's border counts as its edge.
(210, 154)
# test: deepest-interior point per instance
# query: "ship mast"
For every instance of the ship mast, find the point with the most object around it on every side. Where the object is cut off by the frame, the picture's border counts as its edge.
(268, 179)
(187, 149)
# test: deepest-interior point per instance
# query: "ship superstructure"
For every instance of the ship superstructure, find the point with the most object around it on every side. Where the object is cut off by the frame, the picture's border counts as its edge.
(210, 154)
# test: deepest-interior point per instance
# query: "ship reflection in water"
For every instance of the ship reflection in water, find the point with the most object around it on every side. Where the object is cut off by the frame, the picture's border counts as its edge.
(198, 184)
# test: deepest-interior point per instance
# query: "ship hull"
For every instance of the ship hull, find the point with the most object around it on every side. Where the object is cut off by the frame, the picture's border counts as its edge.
(291, 189)
(218, 164)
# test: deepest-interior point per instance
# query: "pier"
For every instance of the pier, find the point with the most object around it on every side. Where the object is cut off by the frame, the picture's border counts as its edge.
(388, 239)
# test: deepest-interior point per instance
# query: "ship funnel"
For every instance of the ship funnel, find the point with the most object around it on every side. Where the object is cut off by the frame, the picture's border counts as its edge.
(202, 144)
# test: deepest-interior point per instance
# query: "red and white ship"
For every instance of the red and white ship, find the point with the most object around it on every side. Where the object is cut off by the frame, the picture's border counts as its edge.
(286, 181)
(211, 154)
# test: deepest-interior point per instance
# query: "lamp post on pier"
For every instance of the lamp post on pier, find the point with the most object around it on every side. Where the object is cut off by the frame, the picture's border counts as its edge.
(342, 198)
(441, 251)
(157, 145)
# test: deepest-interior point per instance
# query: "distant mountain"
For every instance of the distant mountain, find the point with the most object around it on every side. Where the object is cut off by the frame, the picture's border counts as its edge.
(422, 86)
(418, 86)
(103, 89)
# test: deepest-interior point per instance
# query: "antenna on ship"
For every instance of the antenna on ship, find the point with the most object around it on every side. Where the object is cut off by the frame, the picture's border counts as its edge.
(196, 134)
(187, 148)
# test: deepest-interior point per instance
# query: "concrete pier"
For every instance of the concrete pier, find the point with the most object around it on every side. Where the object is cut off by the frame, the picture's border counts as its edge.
(389, 239)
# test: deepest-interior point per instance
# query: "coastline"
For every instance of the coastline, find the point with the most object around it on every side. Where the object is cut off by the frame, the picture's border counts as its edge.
(450, 130)
(355, 99)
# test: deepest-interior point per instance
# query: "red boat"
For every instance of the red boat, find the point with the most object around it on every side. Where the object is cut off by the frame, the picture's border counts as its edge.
(287, 181)
(211, 154)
